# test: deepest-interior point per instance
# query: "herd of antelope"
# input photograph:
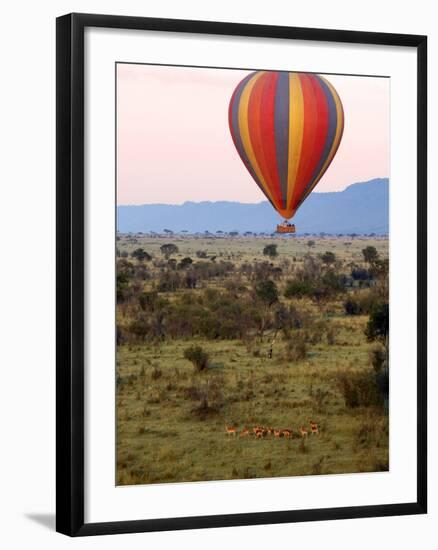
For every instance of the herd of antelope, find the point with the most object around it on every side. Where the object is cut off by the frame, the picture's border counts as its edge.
(260, 431)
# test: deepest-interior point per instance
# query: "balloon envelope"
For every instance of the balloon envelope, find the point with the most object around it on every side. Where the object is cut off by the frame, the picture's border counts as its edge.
(286, 128)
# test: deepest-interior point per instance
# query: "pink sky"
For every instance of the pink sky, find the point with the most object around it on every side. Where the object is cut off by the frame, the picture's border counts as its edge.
(174, 145)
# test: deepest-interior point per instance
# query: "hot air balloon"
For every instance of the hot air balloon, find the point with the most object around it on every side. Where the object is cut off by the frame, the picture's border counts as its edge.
(286, 128)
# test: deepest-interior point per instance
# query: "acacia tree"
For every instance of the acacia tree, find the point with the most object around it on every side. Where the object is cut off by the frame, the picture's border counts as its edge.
(141, 255)
(267, 293)
(270, 250)
(328, 258)
(370, 254)
(168, 249)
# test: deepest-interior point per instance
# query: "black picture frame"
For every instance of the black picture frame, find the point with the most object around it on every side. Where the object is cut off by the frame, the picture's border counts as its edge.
(70, 273)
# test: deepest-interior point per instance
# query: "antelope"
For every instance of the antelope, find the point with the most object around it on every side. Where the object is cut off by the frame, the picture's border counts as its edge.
(287, 433)
(231, 430)
(259, 434)
(313, 427)
(303, 431)
(257, 429)
(277, 433)
(244, 432)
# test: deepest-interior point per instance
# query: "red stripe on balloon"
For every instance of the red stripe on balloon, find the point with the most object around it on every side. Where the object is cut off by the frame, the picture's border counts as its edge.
(255, 115)
(267, 132)
(309, 133)
(321, 128)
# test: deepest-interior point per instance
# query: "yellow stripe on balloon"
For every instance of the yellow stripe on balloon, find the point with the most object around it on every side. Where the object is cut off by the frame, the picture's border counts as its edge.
(336, 141)
(296, 127)
(244, 131)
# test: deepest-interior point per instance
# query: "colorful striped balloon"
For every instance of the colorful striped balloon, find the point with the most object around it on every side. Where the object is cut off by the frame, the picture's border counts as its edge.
(286, 128)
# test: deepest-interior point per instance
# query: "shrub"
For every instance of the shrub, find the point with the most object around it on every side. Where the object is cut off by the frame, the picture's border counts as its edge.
(333, 282)
(288, 318)
(382, 381)
(298, 289)
(370, 254)
(360, 274)
(379, 357)
(169, 282)
(296, 347)
(142, 272)
(328, 258)
(360, 389)
(267, 292)
(139, 327)
(362, 303)
(380, 268)
(141, 255)
(197, 356)
(168, 250)
(210, 397)
(148, 300)
(378, 324)
(314, 331)
(352, 307)
(185, 262)
(380, 363)
(311, 268)
(120, 336)
(191, 281)
(122, 286)
(270, 250)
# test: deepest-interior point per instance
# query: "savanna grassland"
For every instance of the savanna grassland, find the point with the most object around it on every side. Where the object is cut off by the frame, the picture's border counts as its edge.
(236, 332)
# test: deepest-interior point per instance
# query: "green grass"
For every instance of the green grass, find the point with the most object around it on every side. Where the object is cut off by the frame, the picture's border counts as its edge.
(250, 248)
(160, 438)
(164, 436)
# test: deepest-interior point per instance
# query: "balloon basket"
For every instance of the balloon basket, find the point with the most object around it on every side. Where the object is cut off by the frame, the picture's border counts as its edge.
(285, 227)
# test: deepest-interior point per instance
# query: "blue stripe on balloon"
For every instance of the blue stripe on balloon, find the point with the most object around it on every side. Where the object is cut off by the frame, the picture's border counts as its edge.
(281, 131)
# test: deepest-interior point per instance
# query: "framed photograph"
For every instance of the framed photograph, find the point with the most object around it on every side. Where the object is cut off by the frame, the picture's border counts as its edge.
(241, 274)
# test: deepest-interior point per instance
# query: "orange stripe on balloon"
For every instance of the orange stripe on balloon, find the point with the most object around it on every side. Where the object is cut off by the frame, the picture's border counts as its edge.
(255, 116)
(245, 134)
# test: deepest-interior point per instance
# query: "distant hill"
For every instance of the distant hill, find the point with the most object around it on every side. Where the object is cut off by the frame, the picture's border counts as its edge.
(361, 208)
